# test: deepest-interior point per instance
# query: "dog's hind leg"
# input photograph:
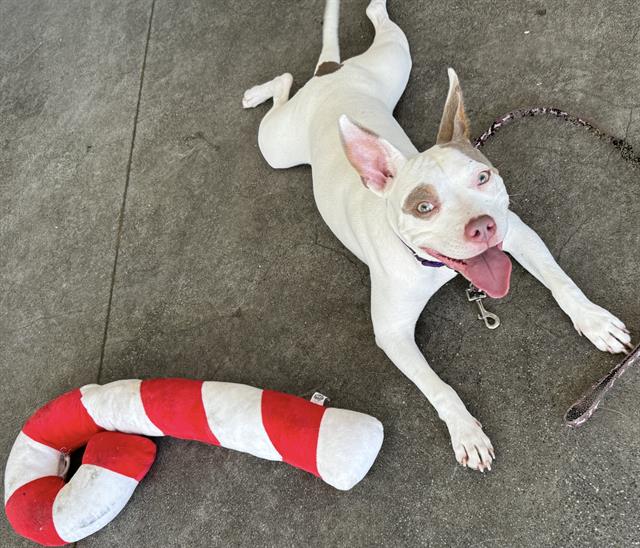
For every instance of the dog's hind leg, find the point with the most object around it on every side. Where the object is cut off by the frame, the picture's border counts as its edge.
(388, 58)
(276, 89)
(280, 143)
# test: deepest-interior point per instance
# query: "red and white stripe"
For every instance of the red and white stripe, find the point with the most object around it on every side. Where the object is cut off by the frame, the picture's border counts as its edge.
(336, 445)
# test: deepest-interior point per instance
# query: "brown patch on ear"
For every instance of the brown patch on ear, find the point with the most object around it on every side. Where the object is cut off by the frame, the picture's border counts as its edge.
(454, 125)
(327, 67)
(461, 122)
(422, 193)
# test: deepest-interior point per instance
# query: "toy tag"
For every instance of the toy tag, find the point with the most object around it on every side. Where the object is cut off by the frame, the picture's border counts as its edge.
(319, 399)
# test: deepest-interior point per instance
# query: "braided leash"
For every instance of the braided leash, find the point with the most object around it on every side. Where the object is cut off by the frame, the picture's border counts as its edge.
(582, 410)
(623, 146)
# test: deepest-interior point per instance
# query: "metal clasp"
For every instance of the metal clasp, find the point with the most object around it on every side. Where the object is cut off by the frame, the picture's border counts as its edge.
(476, 295)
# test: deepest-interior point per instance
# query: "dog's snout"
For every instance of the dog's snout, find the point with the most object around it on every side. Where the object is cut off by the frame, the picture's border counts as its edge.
(481, 229)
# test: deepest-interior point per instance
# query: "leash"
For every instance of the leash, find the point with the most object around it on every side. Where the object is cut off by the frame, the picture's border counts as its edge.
(582, 410)
(626, 150)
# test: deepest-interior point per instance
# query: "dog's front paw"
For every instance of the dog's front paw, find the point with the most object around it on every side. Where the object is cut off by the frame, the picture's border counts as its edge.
(470, 444)
(601, 327)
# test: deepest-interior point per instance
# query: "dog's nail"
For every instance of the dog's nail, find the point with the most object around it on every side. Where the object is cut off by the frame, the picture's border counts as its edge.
(625, 343)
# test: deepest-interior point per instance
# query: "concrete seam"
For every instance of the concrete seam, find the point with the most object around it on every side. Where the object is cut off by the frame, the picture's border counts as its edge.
(124, 194)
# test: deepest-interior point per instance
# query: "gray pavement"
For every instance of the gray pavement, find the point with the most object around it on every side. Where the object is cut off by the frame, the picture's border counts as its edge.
(142, 235)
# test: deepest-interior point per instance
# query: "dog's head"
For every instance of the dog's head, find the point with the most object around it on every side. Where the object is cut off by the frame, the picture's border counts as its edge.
(448, 203)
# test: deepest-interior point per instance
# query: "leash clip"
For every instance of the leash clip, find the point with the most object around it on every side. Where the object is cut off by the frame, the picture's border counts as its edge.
(475, 295)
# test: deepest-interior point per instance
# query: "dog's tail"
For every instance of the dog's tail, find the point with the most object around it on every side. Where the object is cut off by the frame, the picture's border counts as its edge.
(330, 46)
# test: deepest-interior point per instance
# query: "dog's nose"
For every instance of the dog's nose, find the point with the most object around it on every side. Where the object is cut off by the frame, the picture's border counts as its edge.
(481, 229)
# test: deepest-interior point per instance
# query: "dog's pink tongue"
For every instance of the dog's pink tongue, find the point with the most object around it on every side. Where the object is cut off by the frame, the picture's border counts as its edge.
(489, 271)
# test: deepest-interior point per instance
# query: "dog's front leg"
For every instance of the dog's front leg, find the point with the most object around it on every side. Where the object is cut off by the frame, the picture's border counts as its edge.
(601, 327)
(394, 311)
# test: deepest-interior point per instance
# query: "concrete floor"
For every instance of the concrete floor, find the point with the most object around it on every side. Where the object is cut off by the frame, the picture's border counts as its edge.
(143, 235)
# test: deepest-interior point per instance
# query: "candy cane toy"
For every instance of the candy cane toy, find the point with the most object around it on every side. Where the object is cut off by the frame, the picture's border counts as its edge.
(337, 445)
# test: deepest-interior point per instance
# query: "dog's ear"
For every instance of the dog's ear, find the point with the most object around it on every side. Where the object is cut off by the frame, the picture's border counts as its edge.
(454, 125)
(376, 160)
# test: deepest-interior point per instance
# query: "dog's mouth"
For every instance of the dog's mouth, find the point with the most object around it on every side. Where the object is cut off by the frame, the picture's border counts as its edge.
(489, 271)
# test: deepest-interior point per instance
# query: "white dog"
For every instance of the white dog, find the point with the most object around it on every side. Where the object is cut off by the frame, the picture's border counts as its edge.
(416, 219)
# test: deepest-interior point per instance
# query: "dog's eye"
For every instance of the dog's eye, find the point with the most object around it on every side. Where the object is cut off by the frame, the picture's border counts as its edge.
(424, 207)
(484, 177)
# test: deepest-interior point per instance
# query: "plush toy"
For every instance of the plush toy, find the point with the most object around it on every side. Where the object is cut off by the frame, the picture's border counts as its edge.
(337, 445)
